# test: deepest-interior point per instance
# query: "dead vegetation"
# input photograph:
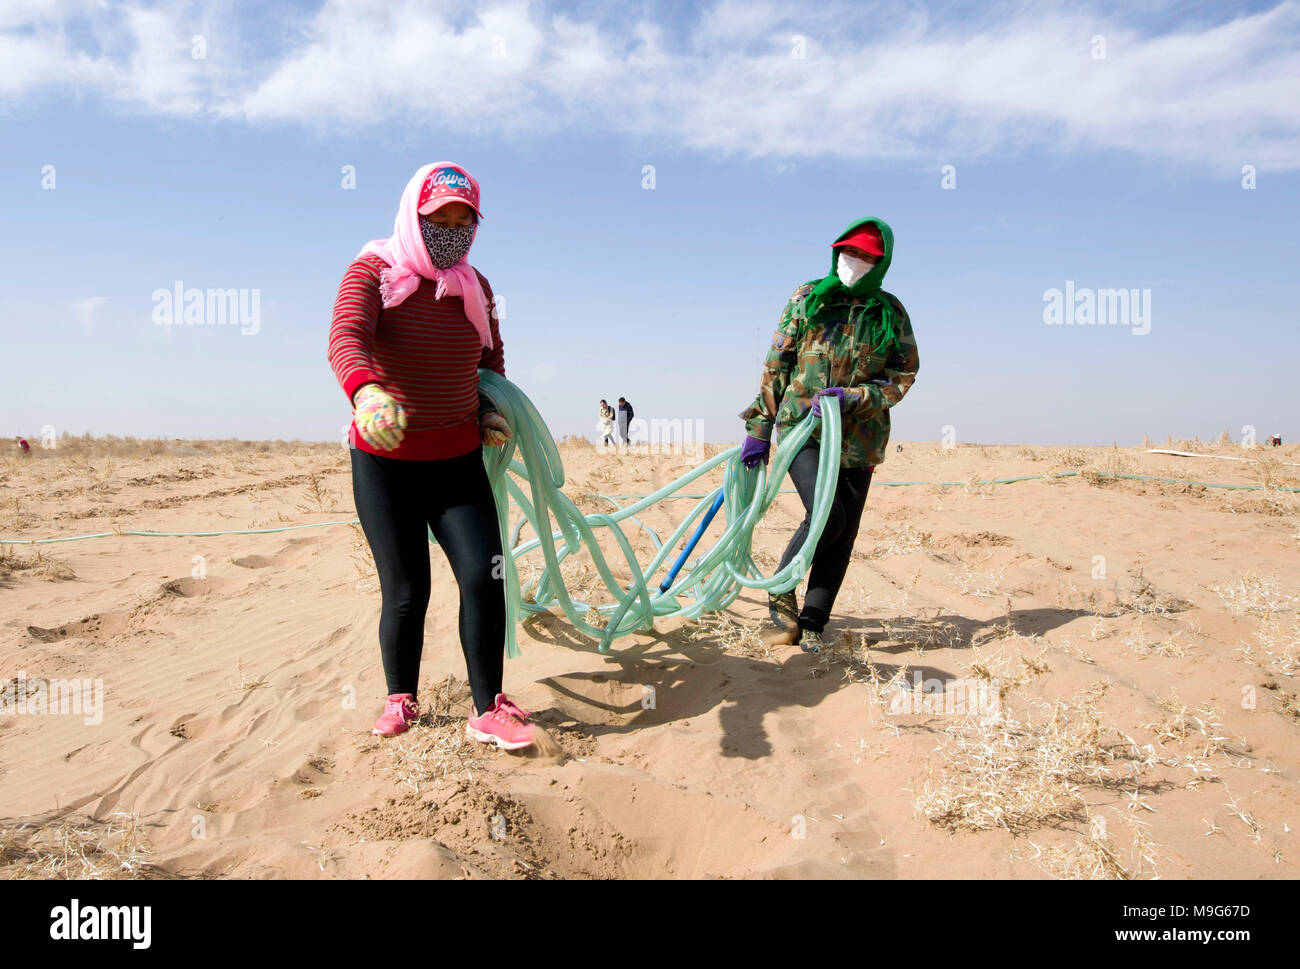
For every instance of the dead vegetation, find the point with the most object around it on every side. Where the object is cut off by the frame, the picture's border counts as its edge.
(1020, 774)
(436, 748)
(973, 580)
(363, 560)
(1098, 857)
(76, 848)
(36, 562)
(1276, 647)
(731, 635)
(1254, 595)
(317, 496)
(1143, 598)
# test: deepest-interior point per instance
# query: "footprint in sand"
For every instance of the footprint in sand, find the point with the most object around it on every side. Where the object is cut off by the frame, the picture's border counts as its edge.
(96, 627)
(187, 586)
(288, 555)
(103, 626)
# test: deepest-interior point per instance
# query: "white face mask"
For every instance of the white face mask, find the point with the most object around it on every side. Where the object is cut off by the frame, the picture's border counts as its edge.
(850, 268)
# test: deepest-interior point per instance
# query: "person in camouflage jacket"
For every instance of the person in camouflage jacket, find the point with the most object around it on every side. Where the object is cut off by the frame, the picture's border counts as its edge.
(840, 335)
(838, 345)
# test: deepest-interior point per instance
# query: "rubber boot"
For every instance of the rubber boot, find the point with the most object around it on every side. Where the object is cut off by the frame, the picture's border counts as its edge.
(783, 609)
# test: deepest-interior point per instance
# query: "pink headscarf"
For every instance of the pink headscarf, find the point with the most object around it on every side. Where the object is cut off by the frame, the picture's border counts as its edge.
(408, 260)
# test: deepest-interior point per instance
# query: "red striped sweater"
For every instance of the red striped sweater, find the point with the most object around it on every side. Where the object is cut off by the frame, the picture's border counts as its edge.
(424, 351)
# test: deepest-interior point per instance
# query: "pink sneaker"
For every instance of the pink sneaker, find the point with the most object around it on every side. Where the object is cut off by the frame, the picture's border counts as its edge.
(503, 724)
(400, 712)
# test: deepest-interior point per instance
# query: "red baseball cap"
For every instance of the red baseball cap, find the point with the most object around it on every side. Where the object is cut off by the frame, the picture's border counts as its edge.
(447, 183)
(868, 240)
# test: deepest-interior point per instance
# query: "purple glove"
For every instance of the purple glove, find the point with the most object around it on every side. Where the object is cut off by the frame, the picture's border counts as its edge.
(754, 450)
(817, 407)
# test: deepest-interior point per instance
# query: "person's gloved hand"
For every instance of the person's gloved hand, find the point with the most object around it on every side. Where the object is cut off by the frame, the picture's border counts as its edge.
(838, 393)
(755, 449)
(494, 429)
(380, 419)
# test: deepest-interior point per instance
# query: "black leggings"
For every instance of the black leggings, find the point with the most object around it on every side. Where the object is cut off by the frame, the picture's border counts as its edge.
(397, 501)
(831, 560)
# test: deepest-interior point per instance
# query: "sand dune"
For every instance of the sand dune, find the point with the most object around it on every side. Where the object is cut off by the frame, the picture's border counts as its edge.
(1149, 717)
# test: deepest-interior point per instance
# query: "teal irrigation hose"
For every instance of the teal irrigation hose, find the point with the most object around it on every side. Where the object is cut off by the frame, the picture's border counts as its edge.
(560, 529)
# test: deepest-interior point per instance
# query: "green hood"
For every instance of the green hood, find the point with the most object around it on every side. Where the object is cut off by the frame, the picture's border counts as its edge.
(884, 329)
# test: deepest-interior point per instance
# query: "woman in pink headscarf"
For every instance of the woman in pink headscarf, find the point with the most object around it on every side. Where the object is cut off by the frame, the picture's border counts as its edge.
(413, 322)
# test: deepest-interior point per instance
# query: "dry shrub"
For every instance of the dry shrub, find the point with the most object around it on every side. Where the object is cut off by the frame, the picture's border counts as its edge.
(363, 560)
(993, 662)
(595, 618)
(1181, 724)
(1096, 858)
(734, 637)
(1113, 462)
(247, 682)
(920, 631)
(1070, 457)
(1251, 594)
(1288, 704)
(436, 747)
(76, 848)
(900, 541)
(983, 583)
(1276, 649)
(853, 655)
(603, 473)
(317, 496)
(1272, 475)
(585, 498)
(37, 562)
(1144, 598)
(581, 580)
(1168, 646)
(1021, 775)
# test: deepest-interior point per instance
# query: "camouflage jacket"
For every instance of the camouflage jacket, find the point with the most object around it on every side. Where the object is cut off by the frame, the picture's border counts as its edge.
(835, 352)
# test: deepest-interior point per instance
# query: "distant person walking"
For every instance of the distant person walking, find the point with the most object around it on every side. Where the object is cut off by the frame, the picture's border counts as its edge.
(625, 415)
(606, 423)
(840, 335)
(22, 443)
(412, 326)
(1276, 440)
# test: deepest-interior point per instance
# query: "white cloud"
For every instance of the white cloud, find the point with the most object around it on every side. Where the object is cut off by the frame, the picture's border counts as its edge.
(874, 83)
(136, 56)
(86, 309)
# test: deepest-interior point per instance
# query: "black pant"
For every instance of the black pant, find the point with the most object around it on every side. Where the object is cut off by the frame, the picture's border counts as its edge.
(831, 560)
(396, 501)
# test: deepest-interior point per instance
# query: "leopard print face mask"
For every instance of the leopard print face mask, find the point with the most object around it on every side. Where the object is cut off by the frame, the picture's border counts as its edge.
(447, 244)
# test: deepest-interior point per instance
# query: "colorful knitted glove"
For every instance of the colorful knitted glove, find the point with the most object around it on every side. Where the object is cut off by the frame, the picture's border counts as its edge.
(379, 418)
(494, 429)
(754, 450)
(838, 392)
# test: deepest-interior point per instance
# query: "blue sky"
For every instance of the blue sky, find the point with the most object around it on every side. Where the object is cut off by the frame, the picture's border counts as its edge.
(225, 171)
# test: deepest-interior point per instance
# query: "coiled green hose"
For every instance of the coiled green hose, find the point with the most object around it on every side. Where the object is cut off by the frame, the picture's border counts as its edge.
(711, 583)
